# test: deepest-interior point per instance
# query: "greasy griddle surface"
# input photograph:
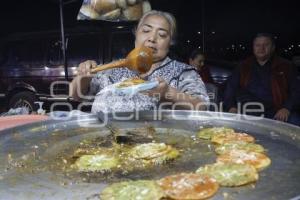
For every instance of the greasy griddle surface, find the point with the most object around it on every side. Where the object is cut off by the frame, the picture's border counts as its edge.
(31, 169)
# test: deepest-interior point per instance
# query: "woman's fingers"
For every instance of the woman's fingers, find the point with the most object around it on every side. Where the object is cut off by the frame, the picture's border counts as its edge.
(93, 64)
(84, 68)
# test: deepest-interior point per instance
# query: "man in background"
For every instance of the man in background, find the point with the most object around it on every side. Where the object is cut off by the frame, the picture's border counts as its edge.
(267, 79)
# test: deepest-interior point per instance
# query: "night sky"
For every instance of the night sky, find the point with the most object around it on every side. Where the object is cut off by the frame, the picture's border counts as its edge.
(226, 23)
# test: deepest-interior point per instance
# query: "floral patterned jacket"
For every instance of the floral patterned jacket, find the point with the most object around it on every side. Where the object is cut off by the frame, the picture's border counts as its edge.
(178, 75)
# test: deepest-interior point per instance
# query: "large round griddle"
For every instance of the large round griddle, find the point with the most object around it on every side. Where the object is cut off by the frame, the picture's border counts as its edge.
(282, 141)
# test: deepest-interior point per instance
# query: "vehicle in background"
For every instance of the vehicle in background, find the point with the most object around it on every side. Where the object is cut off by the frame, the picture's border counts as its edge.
(32, 65)
(220, 71)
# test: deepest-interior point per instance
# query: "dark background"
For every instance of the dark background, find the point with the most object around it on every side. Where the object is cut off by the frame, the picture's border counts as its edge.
(229, 26)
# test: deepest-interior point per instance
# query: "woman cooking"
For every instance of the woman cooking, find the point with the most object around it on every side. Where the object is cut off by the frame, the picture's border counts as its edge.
(180, 86)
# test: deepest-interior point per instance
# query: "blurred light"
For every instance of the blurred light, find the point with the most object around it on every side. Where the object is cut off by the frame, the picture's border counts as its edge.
(290, 48)
(285, 50)
(188, 41)
(199, 47)
(243, 48)
(213, 32)
(120, 27)
(199, 32)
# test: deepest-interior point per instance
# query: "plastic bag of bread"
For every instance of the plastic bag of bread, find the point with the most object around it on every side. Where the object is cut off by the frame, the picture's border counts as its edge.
(113, 10)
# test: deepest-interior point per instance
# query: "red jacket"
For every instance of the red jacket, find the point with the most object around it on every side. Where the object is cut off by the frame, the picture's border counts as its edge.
(280, 72)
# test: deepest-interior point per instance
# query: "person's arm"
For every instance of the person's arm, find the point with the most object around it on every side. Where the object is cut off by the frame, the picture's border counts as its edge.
(293, 96)
(190, 93)
(184, 100)
(79, 87)
(85, 86)
(294, 91)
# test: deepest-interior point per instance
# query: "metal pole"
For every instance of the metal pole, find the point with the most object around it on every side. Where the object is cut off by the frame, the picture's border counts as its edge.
(203, 25)
(63, 45)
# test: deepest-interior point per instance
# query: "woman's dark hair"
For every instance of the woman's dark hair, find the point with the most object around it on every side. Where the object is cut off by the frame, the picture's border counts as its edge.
(195, 53)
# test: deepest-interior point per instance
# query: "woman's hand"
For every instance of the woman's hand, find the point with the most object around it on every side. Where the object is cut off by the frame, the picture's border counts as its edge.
(178, 100)
(159, 91)
(78, 88)
(84, 68)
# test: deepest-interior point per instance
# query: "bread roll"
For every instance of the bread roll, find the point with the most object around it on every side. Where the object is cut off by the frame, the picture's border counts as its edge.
(131, 2)
(146, 6)
(103, 6)
(112, 15)
(122, 4)
(88, 13)
(134, 12)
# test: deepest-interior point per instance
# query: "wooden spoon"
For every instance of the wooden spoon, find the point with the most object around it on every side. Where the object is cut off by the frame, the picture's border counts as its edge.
(139, 59)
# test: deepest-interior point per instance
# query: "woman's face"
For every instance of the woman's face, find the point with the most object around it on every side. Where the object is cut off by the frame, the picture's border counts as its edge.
(154, 33)
(198, 61)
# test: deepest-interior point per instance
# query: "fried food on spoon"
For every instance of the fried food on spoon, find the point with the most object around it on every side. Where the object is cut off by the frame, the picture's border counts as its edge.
(130, 82)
